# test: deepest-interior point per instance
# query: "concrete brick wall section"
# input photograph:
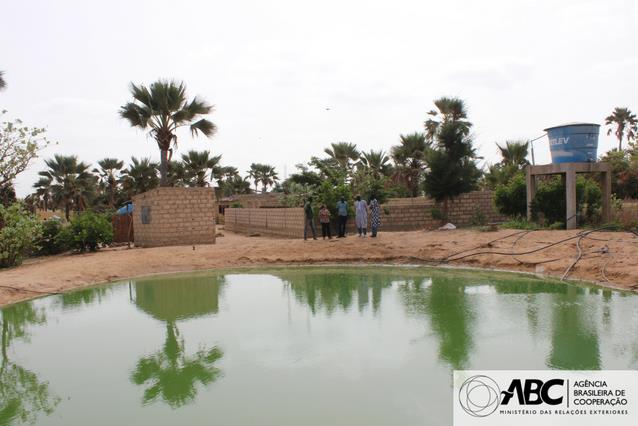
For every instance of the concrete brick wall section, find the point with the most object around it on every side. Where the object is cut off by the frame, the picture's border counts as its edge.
(278, 222)
(400, 214)
(178, 216)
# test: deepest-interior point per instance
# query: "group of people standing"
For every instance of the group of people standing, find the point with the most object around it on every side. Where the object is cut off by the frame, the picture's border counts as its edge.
(361, 211)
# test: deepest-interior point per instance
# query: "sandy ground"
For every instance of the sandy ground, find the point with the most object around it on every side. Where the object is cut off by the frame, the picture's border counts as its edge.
(608, 258)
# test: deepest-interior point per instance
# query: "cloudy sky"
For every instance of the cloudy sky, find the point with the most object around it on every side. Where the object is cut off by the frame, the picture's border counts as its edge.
(273, 67)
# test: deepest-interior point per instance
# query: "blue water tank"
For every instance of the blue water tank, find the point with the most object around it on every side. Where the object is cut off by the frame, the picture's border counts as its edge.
(573, 142)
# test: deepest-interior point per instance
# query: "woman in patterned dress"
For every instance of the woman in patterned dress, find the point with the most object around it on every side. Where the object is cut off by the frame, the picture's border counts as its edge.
(375, 216)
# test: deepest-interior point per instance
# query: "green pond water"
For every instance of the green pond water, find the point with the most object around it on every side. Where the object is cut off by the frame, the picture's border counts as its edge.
(303, 346)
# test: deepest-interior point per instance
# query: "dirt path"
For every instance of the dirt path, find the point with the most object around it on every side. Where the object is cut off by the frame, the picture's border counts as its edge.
(617, 268)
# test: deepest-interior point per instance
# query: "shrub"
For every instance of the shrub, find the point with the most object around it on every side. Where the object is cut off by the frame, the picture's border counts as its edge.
(87, 231)
(19, 232)
(511, 198)
(50, 241)
(478, 217)
(437, 214)
(520, 223)
(550, 200)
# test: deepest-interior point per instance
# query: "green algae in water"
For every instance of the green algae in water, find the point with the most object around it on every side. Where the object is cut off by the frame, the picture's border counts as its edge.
(290, 346)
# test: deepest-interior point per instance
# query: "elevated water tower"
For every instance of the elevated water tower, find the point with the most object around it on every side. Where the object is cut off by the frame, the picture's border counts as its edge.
(574, 149)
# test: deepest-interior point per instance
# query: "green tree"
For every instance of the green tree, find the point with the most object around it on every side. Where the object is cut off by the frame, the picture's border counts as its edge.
(344, 153)
(72, 185)
(43, 193)
(451, 163)
(236, 185)
(19, 146)
(513, 162)
(197, 166)
(409, 159)
(264, 174)
(447, 110)
(375, 162)
(514, 153)
(625, 123)
(140, 176)
(108, 172)
(162, 109)
(19, 232)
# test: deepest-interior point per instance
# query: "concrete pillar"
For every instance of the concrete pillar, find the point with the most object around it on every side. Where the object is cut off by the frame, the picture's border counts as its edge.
(570, 194)
(606, 196)
(531, 190)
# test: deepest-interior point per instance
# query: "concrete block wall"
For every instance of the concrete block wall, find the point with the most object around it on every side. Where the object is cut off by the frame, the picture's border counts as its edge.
(277, 222)
(178, 216)
(399, 214)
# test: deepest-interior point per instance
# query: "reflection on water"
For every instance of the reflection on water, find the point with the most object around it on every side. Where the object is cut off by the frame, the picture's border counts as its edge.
(329, 292)
(445, 302)
(171, 374)
(297, 346)
(23, 396)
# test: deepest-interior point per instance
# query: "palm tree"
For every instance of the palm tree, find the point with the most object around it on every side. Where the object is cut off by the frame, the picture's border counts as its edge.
(343, 153)
(176, 174)
(514, 153)
(71, 182)
(109, 168)
(626, 125)
(197, 164)
(409, 158)
(377, 162)
(3, 83)
(140, 176)
(43, 192)
(268, 177)
(236, 185)
(163, 108)
(264, 174)
(448, 109)
(224, 173)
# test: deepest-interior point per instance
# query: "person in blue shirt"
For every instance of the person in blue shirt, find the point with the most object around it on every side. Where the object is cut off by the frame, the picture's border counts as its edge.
(342, 213)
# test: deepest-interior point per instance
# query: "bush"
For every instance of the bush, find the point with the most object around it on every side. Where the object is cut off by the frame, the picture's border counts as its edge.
(478, 217)
(511, 198)
(550, 200)
(520, 223)
(87, 231)
(50, 241)
(19, 232)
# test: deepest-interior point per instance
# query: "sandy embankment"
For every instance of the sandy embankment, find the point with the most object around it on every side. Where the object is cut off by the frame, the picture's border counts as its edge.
(617, 268)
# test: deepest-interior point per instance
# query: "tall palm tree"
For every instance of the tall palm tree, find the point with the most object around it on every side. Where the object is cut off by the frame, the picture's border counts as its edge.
(514, 153)
(377, 162)
(268, 177)
(409, 157)
(140, 176)
(343, 153)
(264, 174)
(3, 83)
(71, 182)
(447, 110)
(162, 109)
(626, 125)
(107, 172)
(197, 164)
